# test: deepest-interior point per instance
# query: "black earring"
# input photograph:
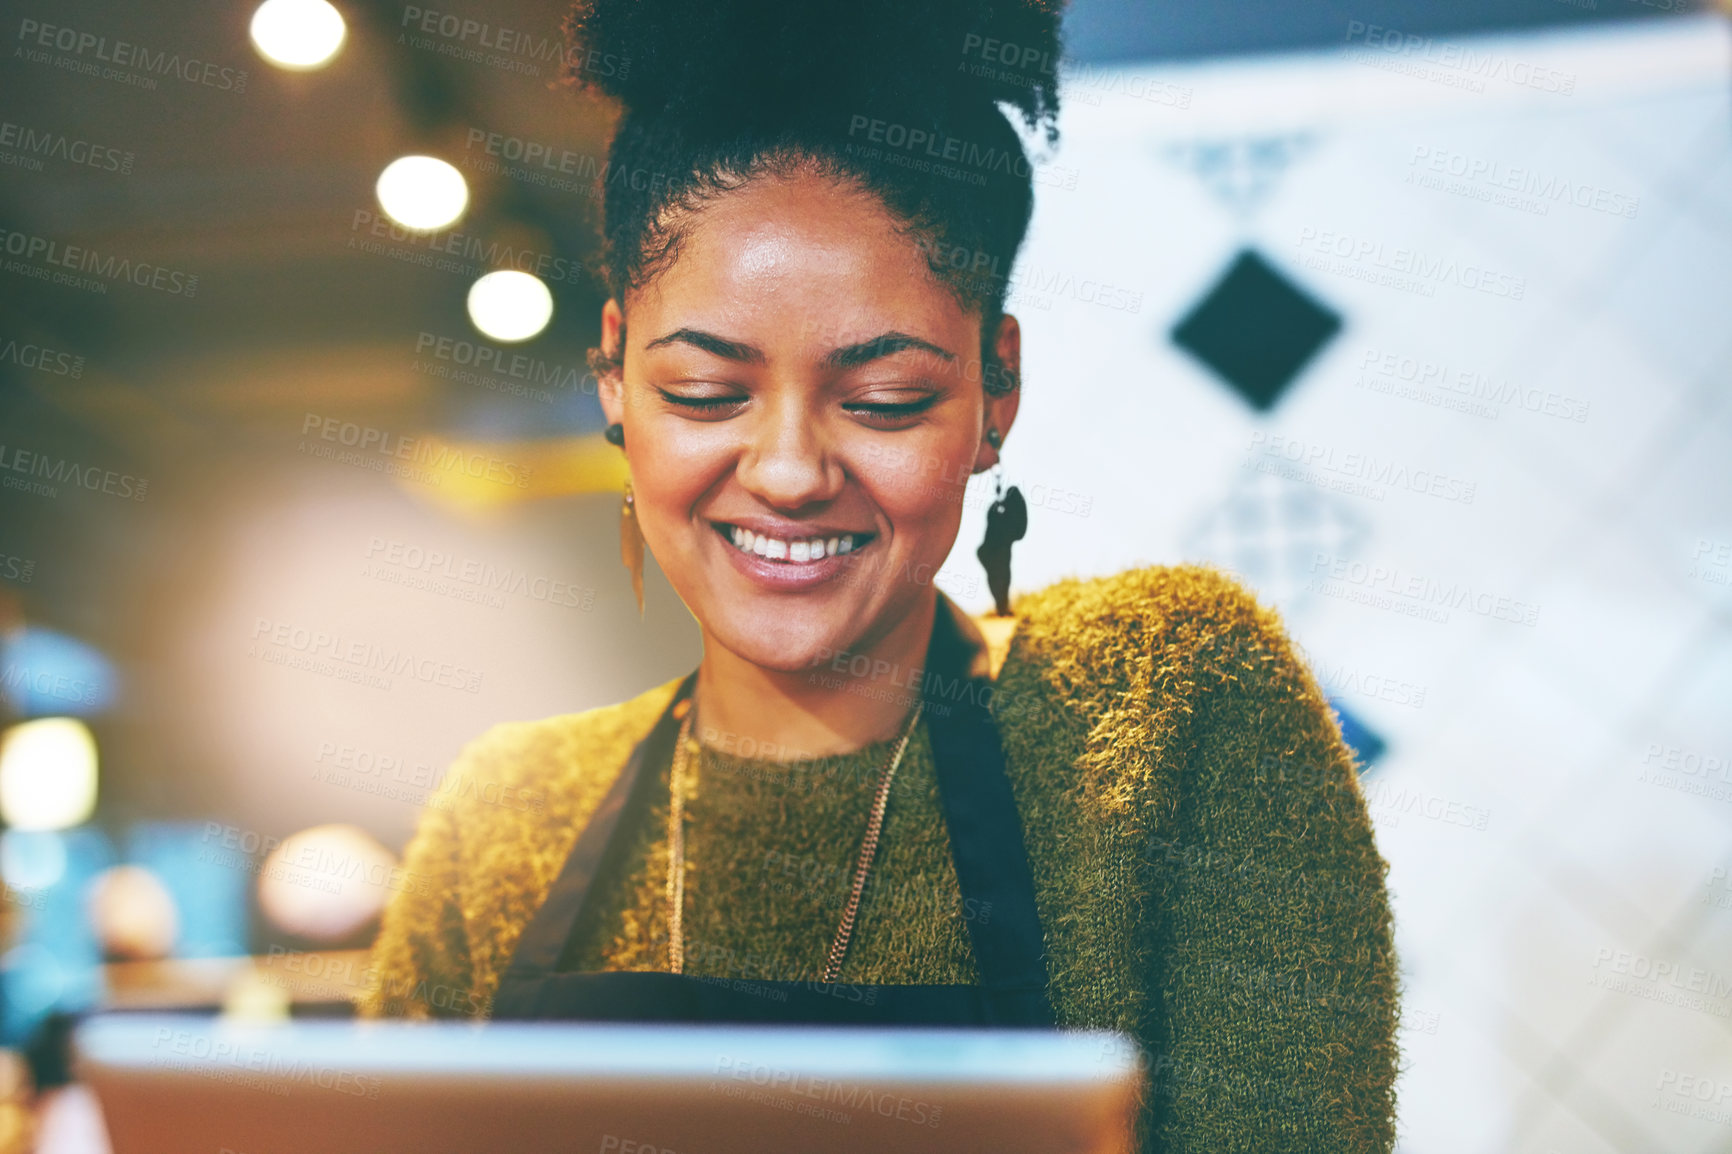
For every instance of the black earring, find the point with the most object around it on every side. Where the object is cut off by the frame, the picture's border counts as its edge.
(615, 434)
(1006, 523)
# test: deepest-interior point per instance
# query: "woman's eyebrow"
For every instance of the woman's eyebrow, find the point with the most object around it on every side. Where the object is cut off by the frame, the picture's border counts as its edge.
(711, 343)
(883, 345)
(846, 357)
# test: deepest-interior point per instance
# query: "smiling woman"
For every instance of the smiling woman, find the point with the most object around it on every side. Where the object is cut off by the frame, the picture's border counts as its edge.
(1125, 804)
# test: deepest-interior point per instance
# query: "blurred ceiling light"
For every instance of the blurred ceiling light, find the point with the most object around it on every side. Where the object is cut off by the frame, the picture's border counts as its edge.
(47, 773)
(422, 193)
(327, 882)
(297, 34)
(510, 305)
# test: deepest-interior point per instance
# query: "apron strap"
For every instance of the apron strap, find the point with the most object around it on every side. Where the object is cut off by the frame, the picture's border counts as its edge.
(985, 834)
(543, 944)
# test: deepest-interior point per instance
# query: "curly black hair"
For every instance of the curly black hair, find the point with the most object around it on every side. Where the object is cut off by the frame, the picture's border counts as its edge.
(900, 98)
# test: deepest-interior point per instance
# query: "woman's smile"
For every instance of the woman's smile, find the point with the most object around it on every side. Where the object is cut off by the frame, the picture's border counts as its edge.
(793, 558)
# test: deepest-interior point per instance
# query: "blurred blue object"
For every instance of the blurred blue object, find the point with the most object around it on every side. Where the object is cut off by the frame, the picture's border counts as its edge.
(1366, 745)
(54, 962)
(209, 897)
(44, 673)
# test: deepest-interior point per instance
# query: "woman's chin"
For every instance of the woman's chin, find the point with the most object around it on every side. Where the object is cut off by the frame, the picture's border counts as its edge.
(781, 644)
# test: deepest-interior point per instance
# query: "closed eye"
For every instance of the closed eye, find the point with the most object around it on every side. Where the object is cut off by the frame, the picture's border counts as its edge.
(894, 412)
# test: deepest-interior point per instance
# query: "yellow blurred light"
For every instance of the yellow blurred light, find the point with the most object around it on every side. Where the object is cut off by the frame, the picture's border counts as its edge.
(422, 193)
(47, 773)
(509, 305)
(297, 34)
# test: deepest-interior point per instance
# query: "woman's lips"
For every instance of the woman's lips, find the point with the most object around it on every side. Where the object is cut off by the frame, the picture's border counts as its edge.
(786, 573)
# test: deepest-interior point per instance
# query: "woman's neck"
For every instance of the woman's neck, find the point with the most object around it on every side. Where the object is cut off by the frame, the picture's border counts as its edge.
(837, 707)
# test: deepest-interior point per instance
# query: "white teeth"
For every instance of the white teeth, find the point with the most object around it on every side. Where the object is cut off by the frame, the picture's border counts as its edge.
(774, 548)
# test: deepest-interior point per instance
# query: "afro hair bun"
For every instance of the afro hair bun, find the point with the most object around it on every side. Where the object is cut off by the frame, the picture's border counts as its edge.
(740, 62)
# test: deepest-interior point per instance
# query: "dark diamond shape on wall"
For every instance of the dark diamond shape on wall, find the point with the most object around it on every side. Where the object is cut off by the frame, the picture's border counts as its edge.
(1256, 329)
(1366, 745)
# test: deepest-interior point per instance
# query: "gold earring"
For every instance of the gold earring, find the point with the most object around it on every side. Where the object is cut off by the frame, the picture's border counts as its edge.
(631, 545)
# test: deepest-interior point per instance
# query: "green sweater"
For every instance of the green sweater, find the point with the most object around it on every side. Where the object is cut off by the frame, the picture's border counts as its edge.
(1203, 860)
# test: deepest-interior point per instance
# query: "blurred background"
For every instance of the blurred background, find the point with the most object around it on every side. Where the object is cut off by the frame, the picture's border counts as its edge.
(1414, 315)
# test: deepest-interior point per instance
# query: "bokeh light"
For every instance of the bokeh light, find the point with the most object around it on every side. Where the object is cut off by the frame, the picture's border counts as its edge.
(422, 193)
(298, 35)
(133, 913)
(47, 774)
(327, 882)
(510, 306)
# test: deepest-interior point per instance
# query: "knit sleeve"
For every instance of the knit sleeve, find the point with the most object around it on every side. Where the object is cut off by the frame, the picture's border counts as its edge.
(420, 967)
(1277, 979)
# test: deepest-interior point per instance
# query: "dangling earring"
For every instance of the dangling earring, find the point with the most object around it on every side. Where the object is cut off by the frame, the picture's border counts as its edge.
(630, 533)
(1006, 522)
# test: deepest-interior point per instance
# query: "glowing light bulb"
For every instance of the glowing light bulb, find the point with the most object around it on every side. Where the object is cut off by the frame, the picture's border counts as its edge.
(422, 193)
(510, 306)
(47, 773)
(299, 35)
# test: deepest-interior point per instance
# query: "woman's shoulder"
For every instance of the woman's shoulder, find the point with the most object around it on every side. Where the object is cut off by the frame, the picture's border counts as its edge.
(553, 765)
(1130, 625)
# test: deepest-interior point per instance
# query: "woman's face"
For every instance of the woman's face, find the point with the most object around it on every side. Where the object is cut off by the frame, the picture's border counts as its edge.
(799, 373)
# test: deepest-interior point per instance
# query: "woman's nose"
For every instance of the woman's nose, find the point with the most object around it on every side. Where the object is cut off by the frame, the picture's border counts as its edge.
(787, 461)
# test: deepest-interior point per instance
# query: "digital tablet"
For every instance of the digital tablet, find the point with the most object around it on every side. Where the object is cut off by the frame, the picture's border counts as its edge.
(174, 1083)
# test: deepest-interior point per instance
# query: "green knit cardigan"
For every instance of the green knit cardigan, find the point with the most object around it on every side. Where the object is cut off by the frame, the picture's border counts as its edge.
(1204, 864)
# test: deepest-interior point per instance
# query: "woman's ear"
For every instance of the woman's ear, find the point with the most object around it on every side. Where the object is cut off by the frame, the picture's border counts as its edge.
(1001, 405)
(610, 386)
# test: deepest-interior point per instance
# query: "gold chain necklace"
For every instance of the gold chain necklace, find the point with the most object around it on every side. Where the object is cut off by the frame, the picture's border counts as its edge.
(676, 888)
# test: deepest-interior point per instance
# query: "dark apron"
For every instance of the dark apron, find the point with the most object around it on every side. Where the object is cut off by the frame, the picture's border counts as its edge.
(991, 867)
